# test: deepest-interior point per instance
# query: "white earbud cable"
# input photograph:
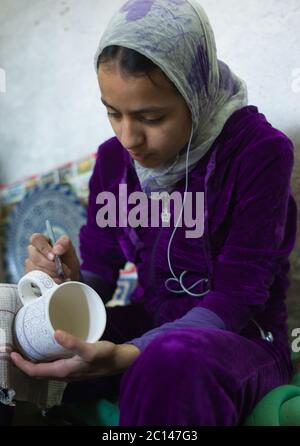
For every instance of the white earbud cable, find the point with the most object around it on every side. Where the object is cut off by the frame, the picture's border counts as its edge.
(175, 278)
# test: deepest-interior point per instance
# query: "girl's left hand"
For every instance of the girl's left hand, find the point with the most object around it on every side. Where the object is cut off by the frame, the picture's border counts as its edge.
(90, 360)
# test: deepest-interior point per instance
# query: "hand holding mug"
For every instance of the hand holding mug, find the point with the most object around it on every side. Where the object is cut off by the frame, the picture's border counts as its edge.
(72, 307)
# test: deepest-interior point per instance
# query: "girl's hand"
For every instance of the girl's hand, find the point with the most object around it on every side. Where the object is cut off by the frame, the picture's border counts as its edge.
(90, 360)
(41, 257)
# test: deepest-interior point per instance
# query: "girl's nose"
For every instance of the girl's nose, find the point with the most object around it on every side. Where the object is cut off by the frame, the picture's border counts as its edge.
(131, 137)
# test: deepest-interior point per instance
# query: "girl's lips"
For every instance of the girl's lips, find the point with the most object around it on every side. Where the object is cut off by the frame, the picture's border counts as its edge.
(138, 157)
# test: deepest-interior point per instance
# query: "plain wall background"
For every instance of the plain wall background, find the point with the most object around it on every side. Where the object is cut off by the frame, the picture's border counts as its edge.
(51, 111)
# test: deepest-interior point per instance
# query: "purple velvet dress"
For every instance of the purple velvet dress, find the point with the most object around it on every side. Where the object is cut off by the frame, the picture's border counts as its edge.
(203, 360)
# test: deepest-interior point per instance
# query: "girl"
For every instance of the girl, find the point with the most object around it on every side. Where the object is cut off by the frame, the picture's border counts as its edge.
(204, 337)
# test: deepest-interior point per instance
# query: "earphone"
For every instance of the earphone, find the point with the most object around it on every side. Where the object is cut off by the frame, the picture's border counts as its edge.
(165, 215)
(265, 336)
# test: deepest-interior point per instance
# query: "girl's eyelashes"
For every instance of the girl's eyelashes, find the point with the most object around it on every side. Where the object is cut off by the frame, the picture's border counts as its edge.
(148, 121)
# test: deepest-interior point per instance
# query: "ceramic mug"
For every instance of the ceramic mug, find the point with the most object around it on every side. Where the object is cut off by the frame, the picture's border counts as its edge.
(71, 306)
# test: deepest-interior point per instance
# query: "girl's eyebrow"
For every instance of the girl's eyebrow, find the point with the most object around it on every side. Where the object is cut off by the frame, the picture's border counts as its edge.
(141, 110)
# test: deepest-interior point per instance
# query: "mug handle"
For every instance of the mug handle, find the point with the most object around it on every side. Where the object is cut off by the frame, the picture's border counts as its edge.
(40, 280)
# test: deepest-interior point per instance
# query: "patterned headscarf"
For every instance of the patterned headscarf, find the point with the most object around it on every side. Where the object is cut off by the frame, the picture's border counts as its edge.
(177, 36)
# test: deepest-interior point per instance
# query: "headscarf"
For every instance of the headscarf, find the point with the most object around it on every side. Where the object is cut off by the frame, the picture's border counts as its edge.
(177, 36)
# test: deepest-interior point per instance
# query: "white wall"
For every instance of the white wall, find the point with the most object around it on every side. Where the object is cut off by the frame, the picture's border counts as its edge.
(51, 114)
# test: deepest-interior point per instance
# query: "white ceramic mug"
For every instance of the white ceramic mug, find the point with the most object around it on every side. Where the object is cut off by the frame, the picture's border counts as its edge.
(72, 306)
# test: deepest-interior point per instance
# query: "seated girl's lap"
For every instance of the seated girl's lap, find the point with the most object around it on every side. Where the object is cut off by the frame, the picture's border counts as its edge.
(216, 350)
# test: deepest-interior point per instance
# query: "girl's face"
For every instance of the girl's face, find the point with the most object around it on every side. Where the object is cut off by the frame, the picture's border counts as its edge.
(150, 120)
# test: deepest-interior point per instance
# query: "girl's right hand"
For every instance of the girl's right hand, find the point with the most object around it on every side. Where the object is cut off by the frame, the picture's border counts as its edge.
(41, 257)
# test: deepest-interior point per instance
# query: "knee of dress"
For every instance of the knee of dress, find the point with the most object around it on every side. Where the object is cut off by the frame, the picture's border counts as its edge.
(178, 379)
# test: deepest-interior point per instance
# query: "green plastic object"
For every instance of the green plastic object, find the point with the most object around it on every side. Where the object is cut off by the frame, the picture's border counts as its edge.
(276, 409)
(290, 412)
(100, 413)
(281, 406)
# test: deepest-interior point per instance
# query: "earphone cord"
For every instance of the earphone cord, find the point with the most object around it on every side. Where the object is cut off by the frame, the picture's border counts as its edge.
(175, 278)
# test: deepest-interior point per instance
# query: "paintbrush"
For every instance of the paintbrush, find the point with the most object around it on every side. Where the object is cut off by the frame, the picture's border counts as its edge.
(57, 260)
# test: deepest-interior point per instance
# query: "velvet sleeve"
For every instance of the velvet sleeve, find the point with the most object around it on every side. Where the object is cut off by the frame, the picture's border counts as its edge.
(195, 318)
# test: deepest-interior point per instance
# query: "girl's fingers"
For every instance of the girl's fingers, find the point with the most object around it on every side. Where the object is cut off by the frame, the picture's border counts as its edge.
(40, 242)
(39, 259)
(30, 266)
(62, 245)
